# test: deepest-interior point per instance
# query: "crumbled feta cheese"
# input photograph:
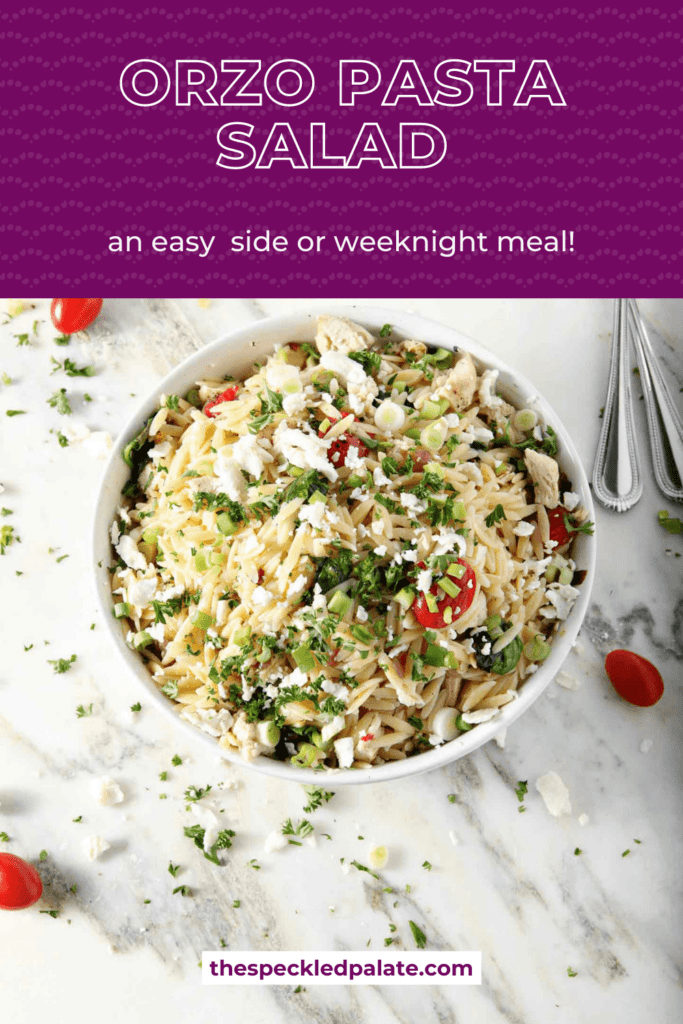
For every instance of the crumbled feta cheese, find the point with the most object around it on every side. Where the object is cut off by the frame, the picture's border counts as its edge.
(156, 631)
(94, 846)
(274, 841)
(306, 451)
(562, 597)
(160, 451)
(453, 838)
(424, 580)
(114, 533)
(412, 504)
(229, 477)
(332, 727)
(569, 682)
(378, 527)
(141, 592)
(381, 550)
(128, 550)
(570, 500)
(261, 597)
(645, 746)
(555, 794)
(295, 587)
(106, 791)
(583, 819)
(482, 434)
(341, 365)
(379, 478)
(294, 403)
(209, 821)
(344, 750)
(361, 613)
(278, 373)
(522, 529)
(98, 444)
(353, 459)
(500, 738)
(448, 540)
(250, 455)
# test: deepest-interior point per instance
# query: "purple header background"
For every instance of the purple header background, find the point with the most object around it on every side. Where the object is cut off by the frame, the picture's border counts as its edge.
(78, 163)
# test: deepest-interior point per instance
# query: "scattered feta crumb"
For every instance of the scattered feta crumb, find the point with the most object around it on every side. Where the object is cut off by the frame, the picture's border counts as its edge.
(570, 500)
(555, 794)
(361, 613)
(106, 791)
(583, 819)
(500, 738)
(344, 750)
(274, 841)
(645, 746)
(94, 847)
(453, 838)
(567, 681)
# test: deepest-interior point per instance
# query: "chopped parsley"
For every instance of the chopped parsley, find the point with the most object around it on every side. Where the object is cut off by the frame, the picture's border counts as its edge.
(71, 370)
(7, 537)
(83, 712)
(173, 869)
(42, 856)
(386, 331)
(495, 516)
(16, 412)
(175, 760)
(184, 890)
(63, 440)
(521, 791)
(316, 797)
(303, 829)
(60, 402)
(670, 524)
(61, 665)
(427, 866)
(362, 867)
(571, 973)
(195, 793)
(136, 707)
(4, 838)
(223, 841)
(370, 361)
(418, 935)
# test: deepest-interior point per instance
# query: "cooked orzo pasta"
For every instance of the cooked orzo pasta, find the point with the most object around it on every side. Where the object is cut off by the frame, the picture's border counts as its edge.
(353, 555)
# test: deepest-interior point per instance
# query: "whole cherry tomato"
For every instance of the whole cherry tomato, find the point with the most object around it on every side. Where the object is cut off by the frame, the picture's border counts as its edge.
(634, 678)
(229, 395)
(458, 605)
(71, 315)
(20, 884)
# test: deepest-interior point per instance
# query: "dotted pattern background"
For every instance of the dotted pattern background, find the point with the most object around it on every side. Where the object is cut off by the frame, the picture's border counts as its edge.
(78, 163)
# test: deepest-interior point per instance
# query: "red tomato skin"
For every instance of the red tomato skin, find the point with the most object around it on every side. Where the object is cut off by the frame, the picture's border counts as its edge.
(229, 395)
(635, 679)
(339, 449)
(20, 884)
(72, 315)
(558, 529)
(436, 620)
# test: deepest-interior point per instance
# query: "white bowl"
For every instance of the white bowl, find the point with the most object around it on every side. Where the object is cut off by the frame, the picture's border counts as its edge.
(234, 353)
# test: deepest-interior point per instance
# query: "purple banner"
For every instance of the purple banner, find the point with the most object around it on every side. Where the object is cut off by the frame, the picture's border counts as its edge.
(485, 151)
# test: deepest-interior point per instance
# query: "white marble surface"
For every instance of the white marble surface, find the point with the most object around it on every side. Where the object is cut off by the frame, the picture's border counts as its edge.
(512, 887)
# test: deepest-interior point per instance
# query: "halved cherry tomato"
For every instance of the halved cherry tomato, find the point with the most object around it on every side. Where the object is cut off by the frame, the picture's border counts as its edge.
(229, 395)
(72, 315)
(634, 678)
(20, 884)
(558, 530)
(459, 604)
(339, 449)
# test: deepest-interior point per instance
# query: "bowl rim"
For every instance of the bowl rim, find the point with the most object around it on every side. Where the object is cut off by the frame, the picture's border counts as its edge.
(406, 325)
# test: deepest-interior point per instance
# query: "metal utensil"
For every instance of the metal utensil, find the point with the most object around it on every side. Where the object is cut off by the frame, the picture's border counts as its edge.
(666, 426)
(617, 483)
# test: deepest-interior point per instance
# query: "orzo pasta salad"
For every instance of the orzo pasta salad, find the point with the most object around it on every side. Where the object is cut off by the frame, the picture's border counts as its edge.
(355, 554)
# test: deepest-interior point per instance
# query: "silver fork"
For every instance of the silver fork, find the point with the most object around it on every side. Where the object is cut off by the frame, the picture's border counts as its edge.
(617, 483)
(666, 427)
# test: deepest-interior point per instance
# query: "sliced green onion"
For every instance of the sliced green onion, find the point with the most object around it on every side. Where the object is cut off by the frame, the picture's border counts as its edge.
(456, 570)
(218, 558)
(459, 511)
(226, 525)
(202, 620)
(550, 573)
(537, 649)
(405, 598)
(433, 436)
(317, 496)
(462, 725)
(390, 416)
(566, 575)
(200, 562)
(448, 586)
(525, 419)
(435, 469)
(321, 378)
(493, 621)
(294, 471)
(241, 636)
(439, 657)
(141, 640)
(356, 481)
(361, 634)
(150, 534)
(268, 733)
(304, 659)
(499, 470)
(121, 610)
(324, 426)
(321, 744)
(448, 615)
(400, 386)
(292, 386)
(432, 604)
(340, 603)
(442, 355)
(306, 756)
(414, 433)
(430, 410)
